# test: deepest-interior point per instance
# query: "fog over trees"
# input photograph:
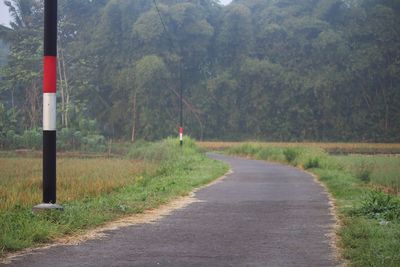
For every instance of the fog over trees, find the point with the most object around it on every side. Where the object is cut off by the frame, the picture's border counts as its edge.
(283, 70)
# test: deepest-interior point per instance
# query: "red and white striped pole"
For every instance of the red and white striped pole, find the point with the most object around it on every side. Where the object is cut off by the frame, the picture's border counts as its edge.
(180, 135)
(49, 106)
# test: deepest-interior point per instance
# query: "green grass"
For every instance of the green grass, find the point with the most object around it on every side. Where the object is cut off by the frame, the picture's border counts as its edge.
(378, 170)
(174, 172)
(370, 217)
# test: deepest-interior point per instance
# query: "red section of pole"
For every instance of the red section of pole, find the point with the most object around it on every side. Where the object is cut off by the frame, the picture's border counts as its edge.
(49, 74)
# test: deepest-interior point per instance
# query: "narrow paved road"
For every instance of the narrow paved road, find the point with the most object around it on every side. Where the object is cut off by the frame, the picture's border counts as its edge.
(262, 214)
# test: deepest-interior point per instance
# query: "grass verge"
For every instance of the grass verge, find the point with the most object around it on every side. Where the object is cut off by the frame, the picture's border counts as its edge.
(370, 218)
(332, 148)
(114, 188)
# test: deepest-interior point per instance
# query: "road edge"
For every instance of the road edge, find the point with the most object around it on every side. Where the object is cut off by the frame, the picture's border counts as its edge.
(334, 237)
(148, 216)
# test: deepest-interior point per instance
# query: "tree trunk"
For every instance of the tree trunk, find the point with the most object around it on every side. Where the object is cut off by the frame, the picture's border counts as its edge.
(32, 108)
(133, 136)
(62, 91)
(67, 89)
(386, 124)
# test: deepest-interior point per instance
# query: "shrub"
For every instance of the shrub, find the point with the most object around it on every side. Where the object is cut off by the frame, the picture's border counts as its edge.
(12, 139)
(291, 154)
(245, 149)
(270, 153)
(312, 163)
(31, 139)
(64, 138)
(363, 171)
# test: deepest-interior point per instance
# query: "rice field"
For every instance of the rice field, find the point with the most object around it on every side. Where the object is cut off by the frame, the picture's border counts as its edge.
(21, 178)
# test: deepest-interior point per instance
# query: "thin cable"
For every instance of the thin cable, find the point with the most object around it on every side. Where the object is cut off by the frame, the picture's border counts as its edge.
(172, 47)
(164, 27)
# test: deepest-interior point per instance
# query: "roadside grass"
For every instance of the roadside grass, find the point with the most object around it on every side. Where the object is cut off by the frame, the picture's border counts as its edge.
(378, 170)
(370, 217)
(332, 148)
(93, 191)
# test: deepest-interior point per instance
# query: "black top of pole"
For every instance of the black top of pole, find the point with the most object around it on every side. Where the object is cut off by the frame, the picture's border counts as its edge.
(50, 28)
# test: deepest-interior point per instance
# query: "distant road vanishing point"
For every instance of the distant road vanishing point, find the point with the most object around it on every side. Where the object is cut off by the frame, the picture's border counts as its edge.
(262, 214)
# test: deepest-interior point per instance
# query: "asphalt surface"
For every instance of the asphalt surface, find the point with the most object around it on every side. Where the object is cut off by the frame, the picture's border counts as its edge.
(263, 214)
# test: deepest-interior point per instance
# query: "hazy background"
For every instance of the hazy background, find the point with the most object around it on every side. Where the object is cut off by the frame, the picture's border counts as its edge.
(5, 17)
(282, 70)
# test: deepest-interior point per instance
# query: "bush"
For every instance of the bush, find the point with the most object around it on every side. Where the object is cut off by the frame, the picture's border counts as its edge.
(312, 163)
(93, 142)
(291, 154)
(245, 149)
(270, 153)
(65, 138)
(31, 139)
(12, 139)
(363, 171)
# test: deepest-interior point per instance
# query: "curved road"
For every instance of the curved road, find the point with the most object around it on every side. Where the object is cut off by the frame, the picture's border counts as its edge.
(263, 214)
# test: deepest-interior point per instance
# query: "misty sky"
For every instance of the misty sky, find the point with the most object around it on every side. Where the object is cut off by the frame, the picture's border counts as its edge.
(5, 18)
(225, 2)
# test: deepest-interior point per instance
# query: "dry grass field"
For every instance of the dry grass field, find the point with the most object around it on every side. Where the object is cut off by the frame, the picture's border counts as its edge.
(21, 178)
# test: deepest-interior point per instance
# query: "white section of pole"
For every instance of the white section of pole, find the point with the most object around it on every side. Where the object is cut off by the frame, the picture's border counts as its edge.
(49, 111)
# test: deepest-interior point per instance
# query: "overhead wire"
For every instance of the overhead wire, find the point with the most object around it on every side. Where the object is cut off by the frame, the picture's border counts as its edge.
(164, 27)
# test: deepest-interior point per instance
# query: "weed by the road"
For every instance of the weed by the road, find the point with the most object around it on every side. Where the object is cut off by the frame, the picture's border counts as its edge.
(380, 206)
(312, 163)
(291, 154)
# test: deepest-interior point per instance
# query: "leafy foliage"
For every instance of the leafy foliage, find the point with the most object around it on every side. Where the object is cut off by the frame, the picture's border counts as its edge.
(255, 69)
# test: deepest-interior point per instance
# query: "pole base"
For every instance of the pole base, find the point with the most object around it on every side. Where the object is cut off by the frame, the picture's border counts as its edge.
(46, 206)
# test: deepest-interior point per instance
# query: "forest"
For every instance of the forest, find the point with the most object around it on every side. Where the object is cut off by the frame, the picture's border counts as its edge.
(271, 70)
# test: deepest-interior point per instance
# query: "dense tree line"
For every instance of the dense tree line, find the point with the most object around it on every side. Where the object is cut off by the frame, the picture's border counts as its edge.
(255, 69)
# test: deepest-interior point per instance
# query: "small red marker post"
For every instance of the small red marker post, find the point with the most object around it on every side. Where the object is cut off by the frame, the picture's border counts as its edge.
(180, 135)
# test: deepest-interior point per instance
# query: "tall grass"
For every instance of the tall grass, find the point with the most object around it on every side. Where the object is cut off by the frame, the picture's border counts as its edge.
(294, 155)
(21, 179)
(378, 170)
